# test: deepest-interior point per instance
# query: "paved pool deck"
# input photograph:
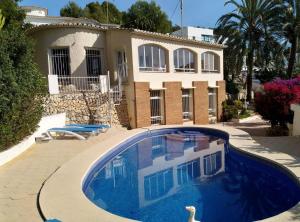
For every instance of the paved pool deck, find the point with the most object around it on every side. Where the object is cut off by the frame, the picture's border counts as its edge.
(22, 178)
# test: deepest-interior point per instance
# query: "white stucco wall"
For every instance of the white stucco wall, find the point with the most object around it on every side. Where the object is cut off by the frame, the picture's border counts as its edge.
(41, 20)
(296, 124)
(37, 12)
(47, 122)
(194, 32)
(156, 79)
(76, 39)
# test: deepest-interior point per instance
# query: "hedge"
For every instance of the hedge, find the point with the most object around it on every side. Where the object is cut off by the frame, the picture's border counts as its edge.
(22, 87)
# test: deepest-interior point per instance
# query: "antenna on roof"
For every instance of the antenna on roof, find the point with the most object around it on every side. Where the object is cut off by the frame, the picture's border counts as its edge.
(181, 15)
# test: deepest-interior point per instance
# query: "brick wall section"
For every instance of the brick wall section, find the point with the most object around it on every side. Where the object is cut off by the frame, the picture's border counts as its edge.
(142, 104)
(200, 102)
(221, 96)
(173, 103)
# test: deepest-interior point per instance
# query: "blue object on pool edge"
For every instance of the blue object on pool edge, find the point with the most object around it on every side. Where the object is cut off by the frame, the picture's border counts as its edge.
(100, 126)
(53, 220)
(152, 177)
(75, 129)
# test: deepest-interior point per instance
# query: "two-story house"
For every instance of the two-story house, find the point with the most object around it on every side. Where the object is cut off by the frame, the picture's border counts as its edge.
(166, 79)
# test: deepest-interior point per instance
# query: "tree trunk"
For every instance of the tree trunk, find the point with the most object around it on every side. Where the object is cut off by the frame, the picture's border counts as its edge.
(250, 72)
(292, 58)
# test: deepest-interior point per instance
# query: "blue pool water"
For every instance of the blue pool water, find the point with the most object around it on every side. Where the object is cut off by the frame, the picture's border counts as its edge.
(153, 176)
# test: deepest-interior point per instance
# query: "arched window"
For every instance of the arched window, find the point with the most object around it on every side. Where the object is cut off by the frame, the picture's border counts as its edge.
(210, 62)
(152, 58)
(184, 60)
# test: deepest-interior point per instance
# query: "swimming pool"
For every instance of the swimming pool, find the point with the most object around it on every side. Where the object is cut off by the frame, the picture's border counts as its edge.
(154, 175)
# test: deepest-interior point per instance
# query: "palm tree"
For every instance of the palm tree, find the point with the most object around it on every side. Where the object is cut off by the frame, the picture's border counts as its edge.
(233, 59)
(291, 30)
(270, 59)
(249, 22)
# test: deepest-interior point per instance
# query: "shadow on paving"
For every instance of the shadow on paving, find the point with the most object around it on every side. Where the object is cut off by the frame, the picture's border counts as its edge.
(285, 144)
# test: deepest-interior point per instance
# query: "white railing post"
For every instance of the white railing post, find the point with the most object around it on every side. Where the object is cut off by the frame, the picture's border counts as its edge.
(53, 84)
(109, 98)
(104, 88)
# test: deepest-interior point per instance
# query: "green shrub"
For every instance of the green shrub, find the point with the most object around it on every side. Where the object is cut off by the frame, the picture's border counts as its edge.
(231, 110)
(21, 87)
(239, 104)
(244, 114)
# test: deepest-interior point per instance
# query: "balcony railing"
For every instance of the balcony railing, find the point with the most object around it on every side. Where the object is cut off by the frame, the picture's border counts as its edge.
(75, 84)
(72, 84)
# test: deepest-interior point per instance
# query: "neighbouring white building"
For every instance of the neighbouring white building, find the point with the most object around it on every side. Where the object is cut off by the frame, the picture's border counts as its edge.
(196, 33)
(39, 16)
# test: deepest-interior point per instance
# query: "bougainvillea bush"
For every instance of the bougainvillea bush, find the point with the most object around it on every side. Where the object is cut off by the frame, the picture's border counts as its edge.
(274, 100)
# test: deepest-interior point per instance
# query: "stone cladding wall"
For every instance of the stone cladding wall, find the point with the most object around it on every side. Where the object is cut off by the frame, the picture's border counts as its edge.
(87, 108)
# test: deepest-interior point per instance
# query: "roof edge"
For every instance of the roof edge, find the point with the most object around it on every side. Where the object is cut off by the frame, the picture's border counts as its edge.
(105, 27)
(177, 38)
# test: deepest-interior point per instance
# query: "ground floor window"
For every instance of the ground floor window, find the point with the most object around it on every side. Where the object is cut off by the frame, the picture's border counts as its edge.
(187, 104)
(212, 96)
(156, 107)
(93, 62)
(59, 62)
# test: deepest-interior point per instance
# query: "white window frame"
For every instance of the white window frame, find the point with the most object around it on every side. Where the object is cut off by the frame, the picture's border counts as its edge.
(161, 68)
(158, 106)
(210, 162)
(122, 68)
(187, 115)
(155, 178)
(208, 62)
(212, 92)
(184, 177)
(207, 38)
(190, 54)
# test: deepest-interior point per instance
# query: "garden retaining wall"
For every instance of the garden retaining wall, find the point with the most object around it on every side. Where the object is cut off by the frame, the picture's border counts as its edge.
(87, 108)
(45, 123)
(295, 128)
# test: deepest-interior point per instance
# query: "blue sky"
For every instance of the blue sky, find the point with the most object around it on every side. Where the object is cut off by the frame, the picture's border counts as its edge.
(196, 12)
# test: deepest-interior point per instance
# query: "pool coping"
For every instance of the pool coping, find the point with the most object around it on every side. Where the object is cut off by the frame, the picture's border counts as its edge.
(62, 197)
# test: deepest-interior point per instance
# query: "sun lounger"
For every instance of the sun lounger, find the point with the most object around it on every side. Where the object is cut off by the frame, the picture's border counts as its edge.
(73, 131)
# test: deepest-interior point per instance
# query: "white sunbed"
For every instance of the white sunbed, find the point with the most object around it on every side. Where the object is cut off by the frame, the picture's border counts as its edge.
(73, 131)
